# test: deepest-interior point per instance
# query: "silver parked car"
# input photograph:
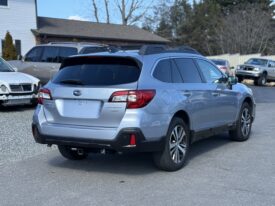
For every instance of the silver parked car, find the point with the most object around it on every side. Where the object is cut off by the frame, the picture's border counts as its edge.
(43, 61)
(258, 69)
(223, 65)
(157, 101)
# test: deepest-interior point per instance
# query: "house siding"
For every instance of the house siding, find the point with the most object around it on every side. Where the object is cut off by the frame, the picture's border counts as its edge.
(19, 17)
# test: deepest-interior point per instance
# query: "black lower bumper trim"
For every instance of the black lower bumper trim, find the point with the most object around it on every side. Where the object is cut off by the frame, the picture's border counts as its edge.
(119, 144)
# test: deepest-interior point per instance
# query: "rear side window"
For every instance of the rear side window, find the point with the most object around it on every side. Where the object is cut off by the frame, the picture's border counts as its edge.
(34, 55)
(163, 71)
(98, 71)
(188, 70)
(89, 50)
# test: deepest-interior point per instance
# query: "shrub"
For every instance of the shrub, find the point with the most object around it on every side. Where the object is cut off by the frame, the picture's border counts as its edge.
(9, 51)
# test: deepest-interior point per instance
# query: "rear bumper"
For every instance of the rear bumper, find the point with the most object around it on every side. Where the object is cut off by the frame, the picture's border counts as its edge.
(121, 143)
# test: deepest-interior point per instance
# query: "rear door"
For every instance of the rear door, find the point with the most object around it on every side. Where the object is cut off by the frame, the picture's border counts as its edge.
(224, 101)
(196, 92)
(82, 88)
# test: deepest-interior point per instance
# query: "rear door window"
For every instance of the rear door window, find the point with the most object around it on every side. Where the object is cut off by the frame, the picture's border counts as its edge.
(188, 70)
(50, 54)
(65, 52)
(98, 71)
(176, 76)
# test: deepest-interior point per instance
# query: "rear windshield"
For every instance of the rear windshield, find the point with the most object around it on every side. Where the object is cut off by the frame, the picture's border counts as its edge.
(98, 71)
(219, 62)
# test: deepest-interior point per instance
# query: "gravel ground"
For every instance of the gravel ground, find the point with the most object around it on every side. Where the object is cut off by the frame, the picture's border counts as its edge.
(220, 172)
(16, 141)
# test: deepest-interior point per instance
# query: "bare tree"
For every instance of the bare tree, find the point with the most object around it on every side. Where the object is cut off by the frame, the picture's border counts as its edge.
(95, 11)
(132, 11)
(246, 31)
(106, 2)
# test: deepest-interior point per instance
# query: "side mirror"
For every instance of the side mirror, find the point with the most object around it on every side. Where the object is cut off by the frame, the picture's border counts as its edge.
(232, 80)
(15, 69)
(269, 65)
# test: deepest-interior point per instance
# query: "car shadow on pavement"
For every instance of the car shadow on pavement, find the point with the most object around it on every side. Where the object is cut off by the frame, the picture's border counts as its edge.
(133, 164)
(16, 108)
(208, 144)
(128, 164)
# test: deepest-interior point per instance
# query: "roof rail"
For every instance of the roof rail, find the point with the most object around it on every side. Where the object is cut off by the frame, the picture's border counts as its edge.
(157, 49)
(76, 43)
(152, 49)
(185, 49)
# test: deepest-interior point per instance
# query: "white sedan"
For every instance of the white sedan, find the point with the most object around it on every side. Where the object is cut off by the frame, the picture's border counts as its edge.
(16, 88)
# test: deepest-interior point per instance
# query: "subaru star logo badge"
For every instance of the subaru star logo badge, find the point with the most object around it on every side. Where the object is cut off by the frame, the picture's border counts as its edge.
(77, 93)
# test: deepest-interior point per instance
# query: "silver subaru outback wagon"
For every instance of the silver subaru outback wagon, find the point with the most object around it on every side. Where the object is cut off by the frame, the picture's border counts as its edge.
(158, 100)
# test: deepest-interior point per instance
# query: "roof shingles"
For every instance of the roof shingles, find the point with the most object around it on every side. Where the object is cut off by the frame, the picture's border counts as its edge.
(85, 29)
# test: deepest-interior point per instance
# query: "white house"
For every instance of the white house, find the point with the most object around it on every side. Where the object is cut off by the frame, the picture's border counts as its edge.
(18, 17)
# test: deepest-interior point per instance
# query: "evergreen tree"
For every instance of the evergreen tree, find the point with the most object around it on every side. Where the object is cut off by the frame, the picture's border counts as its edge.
(9, 51)
(164, 29)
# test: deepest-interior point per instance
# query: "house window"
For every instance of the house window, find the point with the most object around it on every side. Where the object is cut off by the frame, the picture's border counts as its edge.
(3, 2)
(2, 46)
(18, 47)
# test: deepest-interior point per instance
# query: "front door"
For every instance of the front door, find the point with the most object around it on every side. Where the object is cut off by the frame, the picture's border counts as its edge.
(224, 99)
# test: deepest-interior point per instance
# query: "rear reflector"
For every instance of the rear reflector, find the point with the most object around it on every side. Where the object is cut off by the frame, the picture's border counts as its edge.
(134, 99)
(44, 94)
(133, 140)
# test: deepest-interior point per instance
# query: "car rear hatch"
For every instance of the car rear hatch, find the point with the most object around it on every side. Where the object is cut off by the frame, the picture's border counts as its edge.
(81, 90)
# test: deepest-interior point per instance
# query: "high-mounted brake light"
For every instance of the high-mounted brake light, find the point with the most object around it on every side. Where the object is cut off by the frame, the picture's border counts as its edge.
(134, 98)
(44, 94)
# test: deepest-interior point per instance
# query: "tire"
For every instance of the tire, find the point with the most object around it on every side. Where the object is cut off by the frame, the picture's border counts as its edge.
(175, 152)
(243, 126)
(240, 79)
(70, 154)
(34, 102)
(261, 81)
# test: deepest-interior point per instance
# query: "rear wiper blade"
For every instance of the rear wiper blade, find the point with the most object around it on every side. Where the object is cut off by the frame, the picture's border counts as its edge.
(72, 81)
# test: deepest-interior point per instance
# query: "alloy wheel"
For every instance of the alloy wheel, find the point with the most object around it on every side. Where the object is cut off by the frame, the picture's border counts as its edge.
(177, 144)
(245, 122)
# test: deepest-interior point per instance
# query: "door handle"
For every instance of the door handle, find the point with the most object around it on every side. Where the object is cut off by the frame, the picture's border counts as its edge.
(215, 94)
(187, 93)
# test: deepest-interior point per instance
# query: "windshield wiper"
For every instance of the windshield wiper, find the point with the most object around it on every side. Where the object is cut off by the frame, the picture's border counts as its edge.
(72, 81)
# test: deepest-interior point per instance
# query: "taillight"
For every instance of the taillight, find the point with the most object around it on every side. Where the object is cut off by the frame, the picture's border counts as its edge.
(224, 68)
(134, 98)
(44, 94)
